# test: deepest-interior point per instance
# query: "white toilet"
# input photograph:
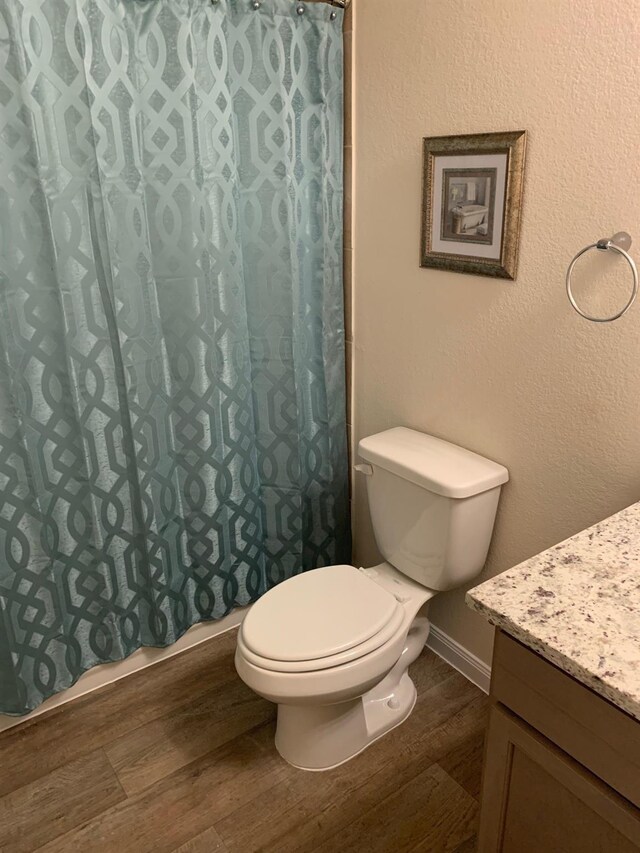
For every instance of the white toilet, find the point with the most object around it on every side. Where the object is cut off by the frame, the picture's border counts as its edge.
(332, 646)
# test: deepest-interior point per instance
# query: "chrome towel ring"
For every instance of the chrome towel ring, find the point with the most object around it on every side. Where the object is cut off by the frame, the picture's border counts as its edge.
(620, 243)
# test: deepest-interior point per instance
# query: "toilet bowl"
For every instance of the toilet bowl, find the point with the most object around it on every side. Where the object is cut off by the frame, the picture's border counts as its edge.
(328, 709)
(332, 647)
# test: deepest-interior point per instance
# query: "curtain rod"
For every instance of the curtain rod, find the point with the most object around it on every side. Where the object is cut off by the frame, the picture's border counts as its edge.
(343, 4)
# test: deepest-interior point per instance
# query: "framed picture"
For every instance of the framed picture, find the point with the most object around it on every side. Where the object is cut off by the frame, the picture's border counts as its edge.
(471, 200)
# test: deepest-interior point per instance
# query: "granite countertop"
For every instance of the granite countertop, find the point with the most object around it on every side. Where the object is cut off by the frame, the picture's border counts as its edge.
(578, 605)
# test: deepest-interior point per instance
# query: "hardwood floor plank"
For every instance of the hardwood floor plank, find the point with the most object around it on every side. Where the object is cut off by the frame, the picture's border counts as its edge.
(457, 744)
(57, 802)
(470, 719)
(429, 670)
(40, 746)
(464, 764)
(206, 842)
(468, 846)
(429, 813)
(445, 700)
(180, 806)
(304, 807)
(164, 745)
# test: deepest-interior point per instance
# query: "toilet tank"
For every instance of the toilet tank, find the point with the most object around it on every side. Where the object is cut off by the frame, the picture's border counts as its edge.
(433, 505)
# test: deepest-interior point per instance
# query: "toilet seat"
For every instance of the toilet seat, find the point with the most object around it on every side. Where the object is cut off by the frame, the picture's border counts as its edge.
(319, 620)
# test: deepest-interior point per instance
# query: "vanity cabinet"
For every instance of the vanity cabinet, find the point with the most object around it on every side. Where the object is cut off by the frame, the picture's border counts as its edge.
(562, 764)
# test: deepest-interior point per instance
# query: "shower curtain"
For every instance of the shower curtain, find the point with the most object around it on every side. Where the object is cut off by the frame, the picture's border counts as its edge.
(172, 413)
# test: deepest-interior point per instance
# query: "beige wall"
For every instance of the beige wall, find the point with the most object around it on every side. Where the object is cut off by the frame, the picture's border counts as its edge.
(504, 368)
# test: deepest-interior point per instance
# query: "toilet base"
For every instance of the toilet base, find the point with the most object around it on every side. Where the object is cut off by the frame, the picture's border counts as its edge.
(324, 737)
(321, 737)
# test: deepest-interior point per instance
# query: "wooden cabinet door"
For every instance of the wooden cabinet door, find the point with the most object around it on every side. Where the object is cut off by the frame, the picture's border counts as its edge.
(536, 799)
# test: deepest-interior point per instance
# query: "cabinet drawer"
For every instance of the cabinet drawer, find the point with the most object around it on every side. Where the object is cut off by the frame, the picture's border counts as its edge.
(583, 724)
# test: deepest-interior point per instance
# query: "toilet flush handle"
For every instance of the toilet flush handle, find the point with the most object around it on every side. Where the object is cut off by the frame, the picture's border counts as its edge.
(364, 468)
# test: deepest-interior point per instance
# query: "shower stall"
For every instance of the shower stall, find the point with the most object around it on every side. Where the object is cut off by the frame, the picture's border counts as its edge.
(172, 391)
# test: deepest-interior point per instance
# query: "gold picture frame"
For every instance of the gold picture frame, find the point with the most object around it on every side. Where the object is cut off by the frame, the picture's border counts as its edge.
(472, 202)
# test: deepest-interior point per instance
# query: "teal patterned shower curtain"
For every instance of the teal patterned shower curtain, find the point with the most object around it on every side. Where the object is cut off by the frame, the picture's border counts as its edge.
(172, 412)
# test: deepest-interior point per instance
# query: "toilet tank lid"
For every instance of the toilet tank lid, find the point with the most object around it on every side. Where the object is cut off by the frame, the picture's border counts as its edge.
(442, 468)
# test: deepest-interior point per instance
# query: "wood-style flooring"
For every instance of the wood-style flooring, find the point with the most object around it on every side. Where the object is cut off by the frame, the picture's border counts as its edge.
(180, 759)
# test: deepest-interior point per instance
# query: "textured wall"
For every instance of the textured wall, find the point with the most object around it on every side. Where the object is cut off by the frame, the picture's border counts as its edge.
(504, 368)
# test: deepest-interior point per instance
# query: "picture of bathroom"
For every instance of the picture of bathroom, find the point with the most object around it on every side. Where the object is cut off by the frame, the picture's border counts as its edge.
(468, 202)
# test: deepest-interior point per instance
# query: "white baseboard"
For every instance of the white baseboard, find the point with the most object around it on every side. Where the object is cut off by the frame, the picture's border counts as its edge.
(106, 673)
(460, 658)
